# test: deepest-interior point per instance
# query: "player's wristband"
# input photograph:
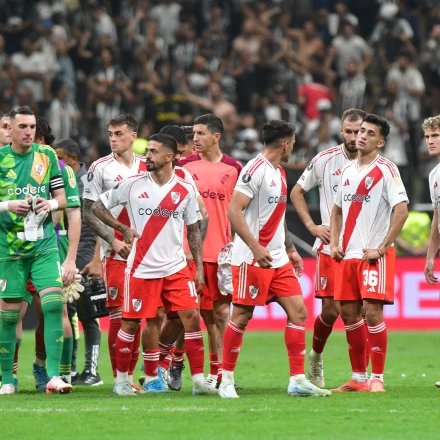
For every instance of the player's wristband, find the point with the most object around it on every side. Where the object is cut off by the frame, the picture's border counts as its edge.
(378, 251)
(4, 207)
(53, 205)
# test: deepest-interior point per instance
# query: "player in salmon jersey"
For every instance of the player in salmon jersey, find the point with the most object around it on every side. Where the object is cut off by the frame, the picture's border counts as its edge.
(103, 175)
(324, 171)
(362, 232)
(431, 128)
(265, 263)
(215, 175)
(159, 204)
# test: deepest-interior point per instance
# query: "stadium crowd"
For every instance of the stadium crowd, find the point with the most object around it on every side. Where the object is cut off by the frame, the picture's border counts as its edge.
(81, 62)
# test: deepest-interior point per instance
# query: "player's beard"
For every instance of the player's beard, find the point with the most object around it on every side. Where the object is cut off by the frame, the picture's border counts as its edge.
(350, 147)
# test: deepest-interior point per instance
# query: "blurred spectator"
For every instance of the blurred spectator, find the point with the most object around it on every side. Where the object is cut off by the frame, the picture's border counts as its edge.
(341, 16)
(46, 9)
(431, 57)
(167, 14)
(248, 147)
(103, 25)
(249, 41)
(186, 48)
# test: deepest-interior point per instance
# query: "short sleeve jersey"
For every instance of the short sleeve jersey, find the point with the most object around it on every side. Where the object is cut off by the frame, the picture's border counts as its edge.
(324, 171)
(267, 189)
(36, 173)
(215, 183)
(72, 201)
(434, 188)
(103, 175)
(367, 197)
(158, 214)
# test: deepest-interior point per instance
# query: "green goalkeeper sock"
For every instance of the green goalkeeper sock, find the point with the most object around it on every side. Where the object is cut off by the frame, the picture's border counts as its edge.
(52, 306)
(66, 357)
(8, 324)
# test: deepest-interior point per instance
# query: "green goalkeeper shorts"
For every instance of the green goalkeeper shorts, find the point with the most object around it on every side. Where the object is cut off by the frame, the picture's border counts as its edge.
(43, 270)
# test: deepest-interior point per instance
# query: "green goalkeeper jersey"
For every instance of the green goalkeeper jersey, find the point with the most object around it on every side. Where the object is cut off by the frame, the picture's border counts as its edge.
(36, 173)
(72, 201)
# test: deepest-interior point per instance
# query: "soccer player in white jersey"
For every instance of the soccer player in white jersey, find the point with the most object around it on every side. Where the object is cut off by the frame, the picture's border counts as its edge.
(159, 204)
(103, 175)
(431, 128)
(265, 264)
(370, 210)
(325, 171)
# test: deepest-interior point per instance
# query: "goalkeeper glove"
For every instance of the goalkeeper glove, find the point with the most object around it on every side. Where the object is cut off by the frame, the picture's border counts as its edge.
(71, 292)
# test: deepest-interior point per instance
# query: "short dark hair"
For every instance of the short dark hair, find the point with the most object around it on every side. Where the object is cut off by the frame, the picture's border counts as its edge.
(44, 130)
(70, 147)
(274, 131)
(176, 132)
(213, 122)
(5, 115)
(353, 115)
(166, 140)
(124, 119)
(378, 121)
(24, 110)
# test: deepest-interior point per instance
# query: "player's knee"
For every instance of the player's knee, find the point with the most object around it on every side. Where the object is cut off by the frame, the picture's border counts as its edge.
(130, 326)
(299, 315)
(374, 316)
(329, 315)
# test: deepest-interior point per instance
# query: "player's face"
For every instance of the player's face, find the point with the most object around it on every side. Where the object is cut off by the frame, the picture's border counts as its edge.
(369, 138)
(349, 131)
(204, 140)
(23, 130)
(181, 149)
(121, 138)
(157, 156)
(61, 154)
(432, 138)
(288, 149)
(5, 133)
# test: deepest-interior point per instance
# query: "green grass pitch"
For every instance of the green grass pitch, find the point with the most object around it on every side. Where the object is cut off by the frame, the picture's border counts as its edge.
(408, 410)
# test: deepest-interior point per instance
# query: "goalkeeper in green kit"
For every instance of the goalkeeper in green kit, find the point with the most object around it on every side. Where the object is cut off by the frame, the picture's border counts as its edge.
(29, 176)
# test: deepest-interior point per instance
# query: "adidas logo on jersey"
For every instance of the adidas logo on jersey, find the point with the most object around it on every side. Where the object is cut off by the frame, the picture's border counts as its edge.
(273, 183)
(144, 195)
(337, 173)
(11, 174)
(346, 183)
(195, 177)
(119, 178)
(371, 289)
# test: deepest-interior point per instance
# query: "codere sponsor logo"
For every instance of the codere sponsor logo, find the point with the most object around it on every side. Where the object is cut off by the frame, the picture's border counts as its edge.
(27, 190)
(357, 198)
(277, 199)
(158, 212)
(208, 194)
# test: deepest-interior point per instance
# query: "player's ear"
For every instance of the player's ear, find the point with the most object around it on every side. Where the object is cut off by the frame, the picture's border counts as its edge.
(381, 143)
(217, 136)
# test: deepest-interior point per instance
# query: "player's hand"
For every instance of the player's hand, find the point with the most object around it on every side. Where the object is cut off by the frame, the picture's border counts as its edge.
(121, 248)
(337, 252)
(189, 256)
(42, 205)
(297, 262)
(429, 272)
(199, 280)
(371, 255)
(69, 272)
(322, 232)
(93, 270)
(19, 207)
(130, 235)
(262, 257)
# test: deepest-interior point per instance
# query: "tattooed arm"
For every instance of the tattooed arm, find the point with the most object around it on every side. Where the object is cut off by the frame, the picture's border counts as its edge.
(195, 245)
(94, 223)
(292, 253)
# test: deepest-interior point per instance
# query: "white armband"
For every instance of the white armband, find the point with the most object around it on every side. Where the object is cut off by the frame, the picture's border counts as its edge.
(4, 206)
(53, 205)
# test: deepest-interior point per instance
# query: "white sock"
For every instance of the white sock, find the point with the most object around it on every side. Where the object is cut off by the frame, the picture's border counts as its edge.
(149, 379)
(68, 378)
(212, 376)
(315, 356)
(228, 376)
(376, 376)
(121, 377)
(130, 378)
(297, 378)
(198, 378)
(359, 377)
(39, 362)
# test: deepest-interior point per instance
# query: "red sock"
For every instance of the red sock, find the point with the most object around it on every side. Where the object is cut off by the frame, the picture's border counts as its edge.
(213, 364)
(295, 338)
(232, 341)
(357, 345)
(124, 349)
(220, 372)
(165, 351)
(165, 364)
(40, 348)
(151, 362)
(321, 332)
(136, 351)
(195, 351)
(178, 355)
(378, 338)
(15, 368)
(115, 325)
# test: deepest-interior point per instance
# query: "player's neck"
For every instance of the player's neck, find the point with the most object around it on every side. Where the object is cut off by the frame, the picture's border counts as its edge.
(366, 159)
(162, 176)
(214, 155)
(126, 158)
(273, 156)
(19, 149)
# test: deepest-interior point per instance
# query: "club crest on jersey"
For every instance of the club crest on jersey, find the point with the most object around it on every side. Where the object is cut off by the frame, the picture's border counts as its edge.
(323, 283)
(253, 291)
(137, 304)
(3, 285)
(89, 176)
(113, 292)
(224, 178)
(246, 178)
(368, 182)
(175, 197)
(39, 169)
